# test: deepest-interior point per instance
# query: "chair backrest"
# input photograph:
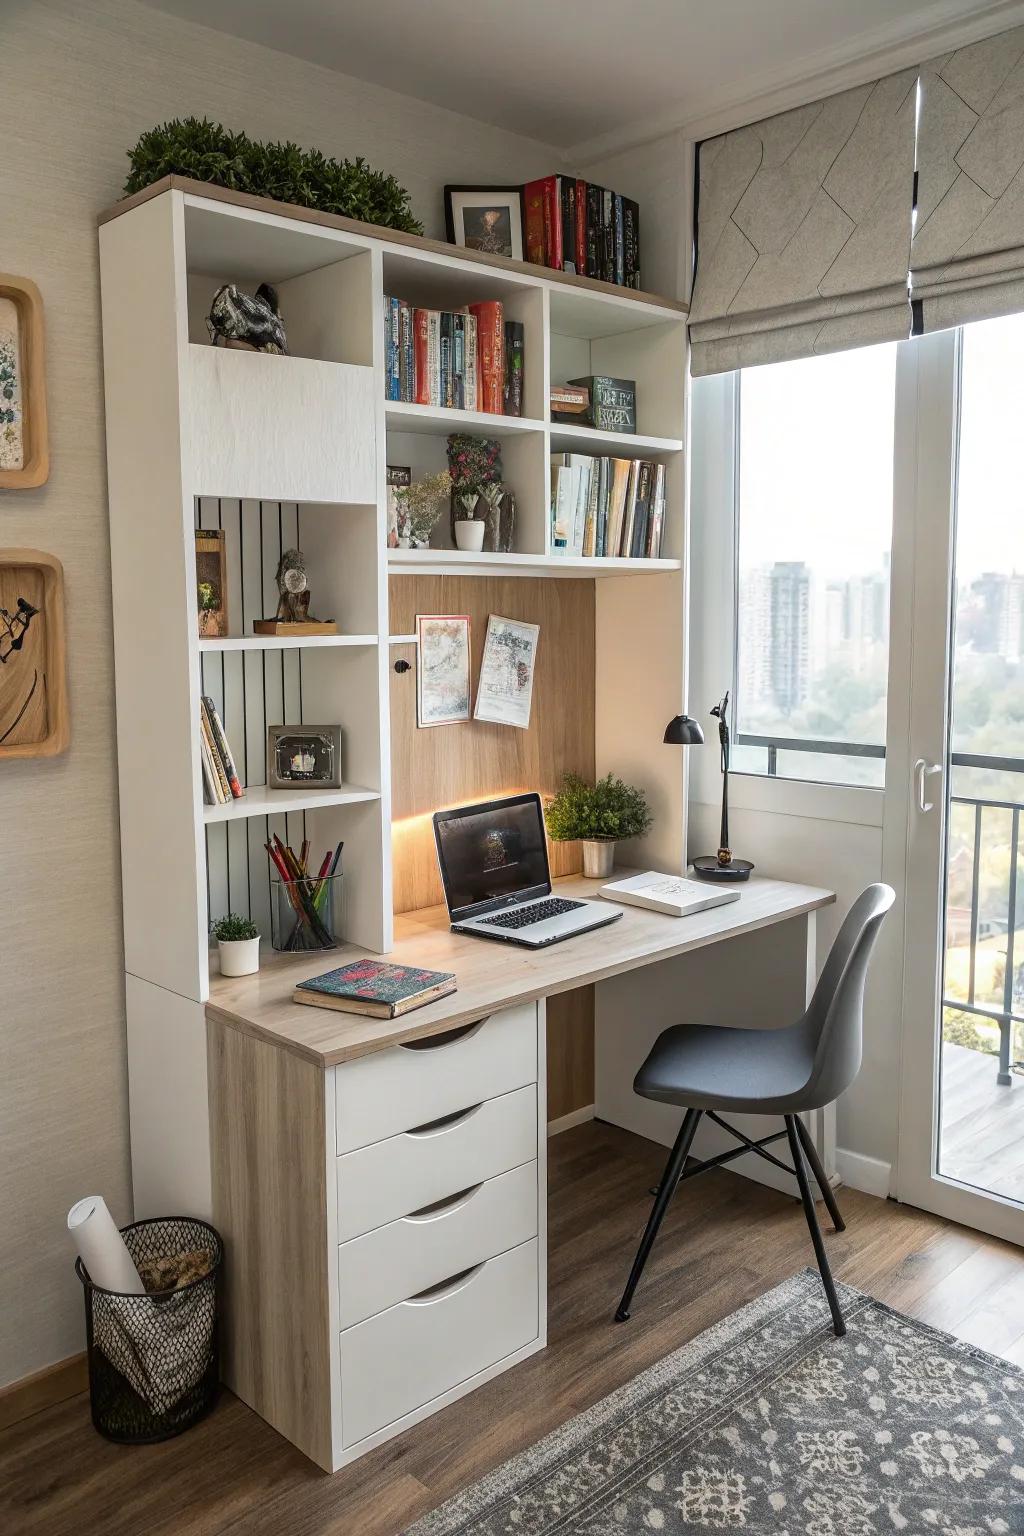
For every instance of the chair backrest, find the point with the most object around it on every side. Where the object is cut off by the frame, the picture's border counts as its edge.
(836, 1012)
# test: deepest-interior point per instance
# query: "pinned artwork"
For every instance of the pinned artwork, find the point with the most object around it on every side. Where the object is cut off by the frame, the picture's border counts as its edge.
(24, 455)
(504, 692)
(442, 693)
(33, 686)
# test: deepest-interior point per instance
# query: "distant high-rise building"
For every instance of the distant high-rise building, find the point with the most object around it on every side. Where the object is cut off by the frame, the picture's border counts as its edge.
(755, 636)
(790, 633)
(998, 618)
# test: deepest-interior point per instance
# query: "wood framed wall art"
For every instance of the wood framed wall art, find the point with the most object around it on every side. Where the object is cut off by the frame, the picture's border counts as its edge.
(24, 450)
(33, 667)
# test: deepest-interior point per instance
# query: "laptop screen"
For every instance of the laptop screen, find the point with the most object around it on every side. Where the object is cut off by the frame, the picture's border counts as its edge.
(492, 855)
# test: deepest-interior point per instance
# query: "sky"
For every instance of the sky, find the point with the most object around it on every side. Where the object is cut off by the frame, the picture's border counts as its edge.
(817, 453)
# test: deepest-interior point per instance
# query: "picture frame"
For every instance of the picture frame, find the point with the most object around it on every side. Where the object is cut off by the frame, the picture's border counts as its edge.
(442, 669)
(309, 755)
(212, 583)
(485, 219)
(24, 443)
(34, 718)
(504, 692)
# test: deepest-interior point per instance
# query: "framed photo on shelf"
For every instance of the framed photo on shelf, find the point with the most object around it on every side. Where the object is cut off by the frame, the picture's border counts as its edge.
(486, 219)
(212, 583)
(504, 693)
(304, 754)
(442, 669)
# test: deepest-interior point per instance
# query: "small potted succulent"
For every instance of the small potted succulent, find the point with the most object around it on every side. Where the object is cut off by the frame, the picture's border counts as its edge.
(475, 465)
(599, 816)
(418, 508)
(238, 945)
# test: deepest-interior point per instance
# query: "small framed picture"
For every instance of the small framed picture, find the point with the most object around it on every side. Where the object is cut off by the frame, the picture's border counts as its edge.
(304, 754)
(486, 219)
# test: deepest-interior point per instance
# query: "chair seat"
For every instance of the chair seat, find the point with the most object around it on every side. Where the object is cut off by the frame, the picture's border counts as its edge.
(760, 1071)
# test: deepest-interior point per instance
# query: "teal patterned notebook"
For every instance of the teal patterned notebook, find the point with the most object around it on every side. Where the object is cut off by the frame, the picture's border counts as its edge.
(373, 987)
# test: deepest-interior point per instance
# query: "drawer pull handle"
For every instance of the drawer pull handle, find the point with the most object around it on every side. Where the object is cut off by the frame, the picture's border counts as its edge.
(445, 1288)
(448, 1037)
(445, 1123)
(444, 1207)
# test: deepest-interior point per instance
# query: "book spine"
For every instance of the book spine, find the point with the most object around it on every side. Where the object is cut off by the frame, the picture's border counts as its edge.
(607, 251)
(206, 737)
(656, 533)
(553, 221)
(594, 204)
(580, 246)
(472, 389)
(389, 321)
(223, 749)
(631, 235)
(638, 544)
(515, 343)
(211, 785)
(629, 513)
(620, 243)
(568, 223)
(491, 347)
(421, 393)
(446, 386)
(603, 501)
(459, 361)
(593, 509)
(434, 396)
(563, 510)
(580, 495)
(533, 216)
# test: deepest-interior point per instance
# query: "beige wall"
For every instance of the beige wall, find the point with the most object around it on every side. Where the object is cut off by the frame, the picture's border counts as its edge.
(79, 80)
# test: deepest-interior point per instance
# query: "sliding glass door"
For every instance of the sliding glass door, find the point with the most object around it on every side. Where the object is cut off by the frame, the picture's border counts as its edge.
(955, 771)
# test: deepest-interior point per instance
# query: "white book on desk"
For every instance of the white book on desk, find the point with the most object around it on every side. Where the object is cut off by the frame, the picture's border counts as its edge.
(672, 894)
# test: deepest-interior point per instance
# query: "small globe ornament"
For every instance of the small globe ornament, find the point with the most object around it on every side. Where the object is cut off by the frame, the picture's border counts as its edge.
(293, 585)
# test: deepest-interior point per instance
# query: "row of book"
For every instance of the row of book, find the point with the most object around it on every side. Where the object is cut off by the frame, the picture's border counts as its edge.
(469, 359)
(221, 783)
(574, 226)
(607, 507)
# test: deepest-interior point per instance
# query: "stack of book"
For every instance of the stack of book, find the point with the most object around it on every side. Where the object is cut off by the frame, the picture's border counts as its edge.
(221, 783)
(605, 507)
(469, 359)
(574, 226)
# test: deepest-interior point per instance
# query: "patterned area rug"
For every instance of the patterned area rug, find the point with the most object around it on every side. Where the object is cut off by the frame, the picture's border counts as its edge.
(769, 1423)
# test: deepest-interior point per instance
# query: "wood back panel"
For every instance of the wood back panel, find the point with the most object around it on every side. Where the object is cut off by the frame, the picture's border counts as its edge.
(453, 764)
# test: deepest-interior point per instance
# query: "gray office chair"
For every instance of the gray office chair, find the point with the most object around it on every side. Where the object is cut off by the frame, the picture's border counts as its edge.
(785, 1071)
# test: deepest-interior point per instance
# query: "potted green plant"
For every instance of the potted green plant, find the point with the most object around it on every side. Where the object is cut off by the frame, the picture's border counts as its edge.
(238, 945)
(599, 816)
(475, 465)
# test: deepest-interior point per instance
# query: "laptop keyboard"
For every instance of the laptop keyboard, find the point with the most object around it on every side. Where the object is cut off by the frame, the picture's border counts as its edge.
(525, 917)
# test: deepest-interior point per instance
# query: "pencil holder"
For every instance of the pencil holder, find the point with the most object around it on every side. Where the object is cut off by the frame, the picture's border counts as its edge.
(306, 914)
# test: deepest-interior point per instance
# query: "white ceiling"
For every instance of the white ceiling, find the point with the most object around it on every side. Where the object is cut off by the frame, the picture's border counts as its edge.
(592, 73)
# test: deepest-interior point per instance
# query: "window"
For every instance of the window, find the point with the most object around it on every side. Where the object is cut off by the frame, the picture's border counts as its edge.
(814, 529)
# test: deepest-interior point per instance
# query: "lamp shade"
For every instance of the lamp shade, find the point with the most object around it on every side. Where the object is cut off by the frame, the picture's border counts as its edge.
(683, 732)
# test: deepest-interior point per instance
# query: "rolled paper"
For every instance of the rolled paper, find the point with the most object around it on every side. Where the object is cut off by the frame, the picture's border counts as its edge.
(101, 1247)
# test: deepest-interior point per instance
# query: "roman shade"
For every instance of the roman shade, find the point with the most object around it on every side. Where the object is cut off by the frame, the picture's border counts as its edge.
(967, 257)
(804, 229)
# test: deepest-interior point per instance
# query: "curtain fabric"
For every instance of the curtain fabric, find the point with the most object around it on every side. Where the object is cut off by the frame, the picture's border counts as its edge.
(804, 230)
(967, 257)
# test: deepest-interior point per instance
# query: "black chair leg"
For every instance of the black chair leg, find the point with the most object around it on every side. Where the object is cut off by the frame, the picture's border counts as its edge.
(800, 1169)
(827, 1192)
(666, 1189)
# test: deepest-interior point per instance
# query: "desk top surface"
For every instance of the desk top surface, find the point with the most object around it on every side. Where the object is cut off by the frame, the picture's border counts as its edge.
(489, 975)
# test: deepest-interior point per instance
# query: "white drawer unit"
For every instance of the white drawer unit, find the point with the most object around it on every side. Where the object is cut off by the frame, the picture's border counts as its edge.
(392, 1178)
(410, 1085)
(407, 1256)
(401, 1360)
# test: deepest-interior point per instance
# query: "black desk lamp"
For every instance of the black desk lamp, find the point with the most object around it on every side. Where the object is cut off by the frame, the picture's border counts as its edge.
(684, 732)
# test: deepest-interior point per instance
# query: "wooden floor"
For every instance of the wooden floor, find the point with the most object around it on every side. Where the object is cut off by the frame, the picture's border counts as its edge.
(725, 1241)
(982, 1141)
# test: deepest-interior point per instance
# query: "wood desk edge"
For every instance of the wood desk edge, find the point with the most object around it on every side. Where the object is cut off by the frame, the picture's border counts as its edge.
(356, 1035)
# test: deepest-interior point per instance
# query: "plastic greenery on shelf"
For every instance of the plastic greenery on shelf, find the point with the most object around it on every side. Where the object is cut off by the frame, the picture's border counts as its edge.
(230, 929)
(207, 151)
(608, 809)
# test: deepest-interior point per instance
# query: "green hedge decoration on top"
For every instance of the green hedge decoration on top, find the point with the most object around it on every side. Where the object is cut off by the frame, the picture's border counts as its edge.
(207, 151)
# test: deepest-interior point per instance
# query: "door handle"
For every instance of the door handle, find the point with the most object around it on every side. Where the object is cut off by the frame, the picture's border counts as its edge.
(923, 770)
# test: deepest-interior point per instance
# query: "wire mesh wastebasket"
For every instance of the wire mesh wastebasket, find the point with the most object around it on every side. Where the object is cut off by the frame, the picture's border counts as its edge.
(153, 1359)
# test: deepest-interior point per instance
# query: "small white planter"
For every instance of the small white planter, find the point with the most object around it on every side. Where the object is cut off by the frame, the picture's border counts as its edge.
(598, 857)
(239, 957)
(469, 534)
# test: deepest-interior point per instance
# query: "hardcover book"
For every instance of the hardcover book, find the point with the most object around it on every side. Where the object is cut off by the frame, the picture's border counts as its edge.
(533, 222)
(672, 894)
(374, 987)
(515, 343)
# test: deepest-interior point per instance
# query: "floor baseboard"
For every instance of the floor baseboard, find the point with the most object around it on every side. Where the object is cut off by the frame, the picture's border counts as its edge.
(53, 1384)
(574, 1117)
(869, 1174)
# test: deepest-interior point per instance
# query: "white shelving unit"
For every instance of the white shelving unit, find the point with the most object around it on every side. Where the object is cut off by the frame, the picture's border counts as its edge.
(284, 451)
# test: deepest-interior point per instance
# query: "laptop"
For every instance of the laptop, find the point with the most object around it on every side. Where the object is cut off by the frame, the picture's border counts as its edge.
(494, 868)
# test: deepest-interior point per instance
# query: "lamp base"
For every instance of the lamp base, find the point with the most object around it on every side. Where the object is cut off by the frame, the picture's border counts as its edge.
(707, 867)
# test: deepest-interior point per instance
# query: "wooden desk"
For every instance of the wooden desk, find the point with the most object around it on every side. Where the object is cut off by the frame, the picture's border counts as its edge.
(381, 1185)
(490, 976)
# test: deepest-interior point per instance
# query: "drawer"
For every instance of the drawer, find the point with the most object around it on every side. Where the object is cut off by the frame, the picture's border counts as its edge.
(403, 1358)
(395, 1177)
(408, 1085)
(404, 1258)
